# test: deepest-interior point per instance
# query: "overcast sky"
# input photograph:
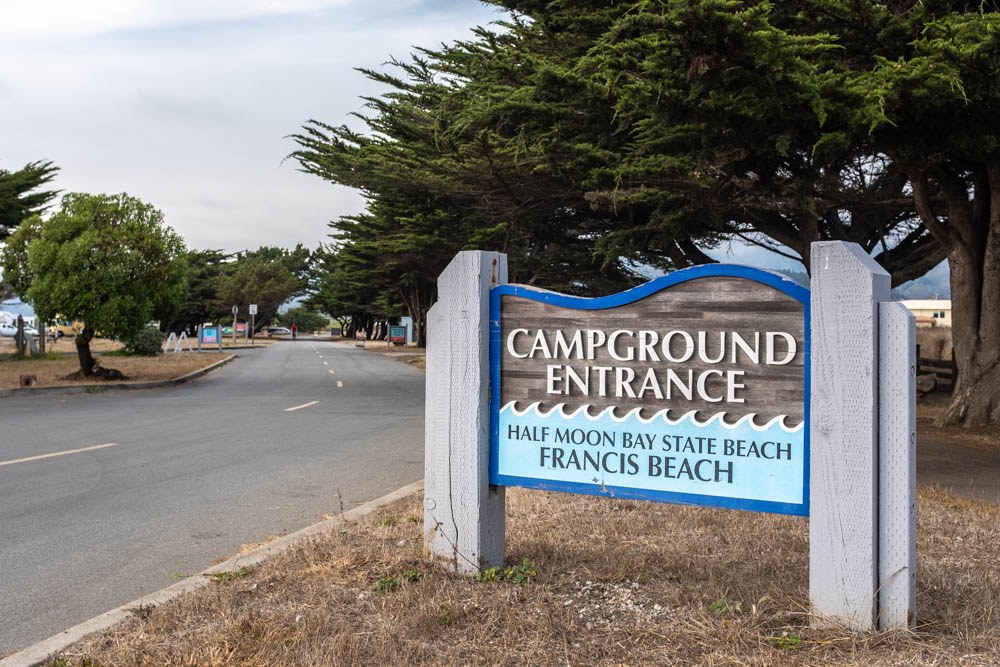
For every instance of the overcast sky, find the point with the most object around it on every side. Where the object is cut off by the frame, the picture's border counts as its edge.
(186, 103)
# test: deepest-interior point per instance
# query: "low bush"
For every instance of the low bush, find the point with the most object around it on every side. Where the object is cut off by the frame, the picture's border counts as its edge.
(147, 342)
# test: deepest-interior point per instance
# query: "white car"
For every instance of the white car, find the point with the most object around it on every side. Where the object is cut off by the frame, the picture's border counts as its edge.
(11, 330)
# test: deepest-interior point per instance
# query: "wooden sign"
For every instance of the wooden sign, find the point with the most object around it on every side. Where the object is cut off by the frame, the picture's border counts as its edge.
(691, 389)
(716, 385)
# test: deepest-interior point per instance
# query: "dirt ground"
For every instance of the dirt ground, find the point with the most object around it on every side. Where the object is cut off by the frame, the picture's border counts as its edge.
(53, 372)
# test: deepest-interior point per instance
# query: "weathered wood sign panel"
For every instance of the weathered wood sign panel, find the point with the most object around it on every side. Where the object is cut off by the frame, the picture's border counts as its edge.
(691, 389)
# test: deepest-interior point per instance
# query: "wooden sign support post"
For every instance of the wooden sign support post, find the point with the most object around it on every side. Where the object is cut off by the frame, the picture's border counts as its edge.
(463, 514)
(862, 406)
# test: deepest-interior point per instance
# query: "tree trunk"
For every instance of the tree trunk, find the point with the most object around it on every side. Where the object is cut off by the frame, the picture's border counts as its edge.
(972, 238)
(82, 341)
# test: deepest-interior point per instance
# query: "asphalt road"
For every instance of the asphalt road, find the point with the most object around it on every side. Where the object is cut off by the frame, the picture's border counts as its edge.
(195, 472)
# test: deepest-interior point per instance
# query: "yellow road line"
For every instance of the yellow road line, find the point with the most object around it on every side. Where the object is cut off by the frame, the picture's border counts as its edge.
(331, 372)
(340, 383)
(48, 456)
(299, 407)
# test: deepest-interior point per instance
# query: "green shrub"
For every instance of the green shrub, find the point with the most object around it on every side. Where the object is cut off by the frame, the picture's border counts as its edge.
(147, 341)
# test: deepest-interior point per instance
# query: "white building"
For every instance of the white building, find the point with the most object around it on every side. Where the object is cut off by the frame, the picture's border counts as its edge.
(930, 312)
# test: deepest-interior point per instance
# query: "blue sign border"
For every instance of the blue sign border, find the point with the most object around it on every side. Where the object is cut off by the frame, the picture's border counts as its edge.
(775, 280)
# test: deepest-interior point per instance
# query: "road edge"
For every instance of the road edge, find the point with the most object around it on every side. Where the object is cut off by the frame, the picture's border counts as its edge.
(39, 652)
(120, 386)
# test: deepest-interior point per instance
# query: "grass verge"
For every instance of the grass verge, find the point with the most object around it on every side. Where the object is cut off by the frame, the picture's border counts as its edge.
(588, 581)
(52, 369)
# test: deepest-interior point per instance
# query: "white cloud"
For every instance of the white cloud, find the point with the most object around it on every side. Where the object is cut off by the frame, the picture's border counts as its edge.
(187, 107)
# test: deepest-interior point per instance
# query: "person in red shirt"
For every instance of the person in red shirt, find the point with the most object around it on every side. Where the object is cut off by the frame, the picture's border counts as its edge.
(295, 330)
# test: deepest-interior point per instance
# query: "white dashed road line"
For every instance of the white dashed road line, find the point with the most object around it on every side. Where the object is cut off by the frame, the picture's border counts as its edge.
(68, 451)
(299, 407)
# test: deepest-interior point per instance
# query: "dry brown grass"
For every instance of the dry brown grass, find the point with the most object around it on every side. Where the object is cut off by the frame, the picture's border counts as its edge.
(934, 342)
(53, 372)
(619, 582)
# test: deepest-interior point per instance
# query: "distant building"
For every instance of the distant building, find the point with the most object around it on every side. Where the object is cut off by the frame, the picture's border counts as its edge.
(930, 312)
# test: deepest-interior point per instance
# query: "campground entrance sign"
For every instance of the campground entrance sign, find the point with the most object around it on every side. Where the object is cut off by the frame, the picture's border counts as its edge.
(721, 385)
(691, 388)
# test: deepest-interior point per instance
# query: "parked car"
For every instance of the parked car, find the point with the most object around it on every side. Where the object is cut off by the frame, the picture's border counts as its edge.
(65, 328)
(278, 331)
(9, 330)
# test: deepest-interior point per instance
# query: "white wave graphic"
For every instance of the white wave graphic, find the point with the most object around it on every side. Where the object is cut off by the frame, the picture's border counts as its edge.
(690, 416)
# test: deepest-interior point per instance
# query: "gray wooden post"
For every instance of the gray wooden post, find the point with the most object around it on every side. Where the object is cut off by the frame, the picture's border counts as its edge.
(847, 286)
(897, 559)
(463, 514)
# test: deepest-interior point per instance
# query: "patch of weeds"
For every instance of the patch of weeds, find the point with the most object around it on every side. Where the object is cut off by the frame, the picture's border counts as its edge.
(343, 531)
(387, 522)
(723, 608)
(231, 575)
(411, 575)
(414, 519)
(94, 390)
(443, 617)
(141, 612)
(785, 642)
(519, 574)
(386, 585)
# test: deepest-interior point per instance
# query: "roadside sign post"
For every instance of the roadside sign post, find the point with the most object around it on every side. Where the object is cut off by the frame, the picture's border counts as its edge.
(397, 335)
(719, 385)
(253, 316)
(211, 335)
(236, 309)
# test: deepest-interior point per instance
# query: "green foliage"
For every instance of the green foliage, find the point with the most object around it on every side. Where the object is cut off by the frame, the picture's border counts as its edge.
(785, 642)
(443, 616)
(228, 576)
(20, 197)
(106, 260)
(411, 576)
(723, 608)
(387, 585)
(519, 574)
(267, 277)
(304, 319)
(387, 522)
(148, 341)
(206, 270)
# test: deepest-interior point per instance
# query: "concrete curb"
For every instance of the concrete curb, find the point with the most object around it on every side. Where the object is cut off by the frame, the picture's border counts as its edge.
(38, 653)
(120, 386)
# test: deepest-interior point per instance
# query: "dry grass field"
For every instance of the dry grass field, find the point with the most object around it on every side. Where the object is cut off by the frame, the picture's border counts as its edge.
(52, 372)
(608, 582)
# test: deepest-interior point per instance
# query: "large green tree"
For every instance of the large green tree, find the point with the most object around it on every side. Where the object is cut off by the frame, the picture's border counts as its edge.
(810, 120)
(267, 277)
(106, 260)
(206, 271)
(21, 196)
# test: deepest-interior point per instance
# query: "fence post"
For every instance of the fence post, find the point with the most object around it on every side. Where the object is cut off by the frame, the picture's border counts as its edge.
(847, 287)
(20, 342)
(897, 557)
(463, 514)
